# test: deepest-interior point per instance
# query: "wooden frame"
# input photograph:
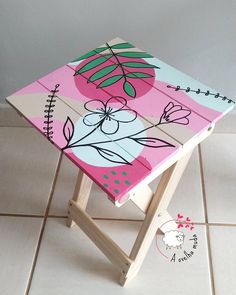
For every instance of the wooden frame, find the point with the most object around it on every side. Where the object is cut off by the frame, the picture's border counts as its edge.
(153, 205)
(155, 208)
(156, 214)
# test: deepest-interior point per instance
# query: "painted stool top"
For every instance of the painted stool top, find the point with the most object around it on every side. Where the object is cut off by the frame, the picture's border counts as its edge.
(119, 113)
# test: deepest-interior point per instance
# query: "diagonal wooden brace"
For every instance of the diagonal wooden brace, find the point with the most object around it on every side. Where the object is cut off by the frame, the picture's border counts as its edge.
(113, 252)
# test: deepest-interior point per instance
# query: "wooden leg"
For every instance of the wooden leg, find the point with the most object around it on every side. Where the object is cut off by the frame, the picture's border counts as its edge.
(154, 216)
(142, 199)
(81, 193)
(155, 208)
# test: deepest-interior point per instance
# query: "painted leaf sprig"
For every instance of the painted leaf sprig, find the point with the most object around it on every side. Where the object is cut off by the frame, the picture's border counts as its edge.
(129, 70)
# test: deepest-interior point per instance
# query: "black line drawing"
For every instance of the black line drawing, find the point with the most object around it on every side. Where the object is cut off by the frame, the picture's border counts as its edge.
(198, 91)
(49, 110)
(110, 155)
(174, 114)
(127, 85)
(106, 115)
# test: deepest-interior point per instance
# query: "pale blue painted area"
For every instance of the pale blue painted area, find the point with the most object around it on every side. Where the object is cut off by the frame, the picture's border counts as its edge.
(75, 63)
(92, 157)
(170, 75)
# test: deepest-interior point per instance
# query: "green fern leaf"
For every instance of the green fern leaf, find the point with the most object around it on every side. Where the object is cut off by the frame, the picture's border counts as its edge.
(135, 64)
(122, 46)
(89, 54)
(110, 81)
(138, 75)
(134, 54)
(93, 64)
(129, 89)
(102, 73)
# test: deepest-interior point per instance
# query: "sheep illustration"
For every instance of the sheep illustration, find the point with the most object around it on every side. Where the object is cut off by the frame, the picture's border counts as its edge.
(174, 239)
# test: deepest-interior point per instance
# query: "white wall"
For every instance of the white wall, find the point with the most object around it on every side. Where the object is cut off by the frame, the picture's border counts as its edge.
(198, 37)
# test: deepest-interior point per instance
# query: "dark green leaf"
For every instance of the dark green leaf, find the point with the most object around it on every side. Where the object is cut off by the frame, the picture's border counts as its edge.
(138, 75)
(134, 54)
(122, 46)
(129, 89)
(93, 64)
(110, 81)
(134, 64)
(102, 73)
(90, 53)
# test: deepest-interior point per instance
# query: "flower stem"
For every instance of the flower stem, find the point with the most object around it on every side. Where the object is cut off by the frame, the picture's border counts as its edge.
(114, 140)
(73, 144)
(118, 62)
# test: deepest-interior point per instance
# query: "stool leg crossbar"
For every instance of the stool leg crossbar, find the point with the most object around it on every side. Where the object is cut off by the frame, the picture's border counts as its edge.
(155, 207)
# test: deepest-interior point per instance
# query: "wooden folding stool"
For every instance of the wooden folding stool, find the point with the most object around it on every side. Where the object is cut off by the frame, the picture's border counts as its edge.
(120, 111)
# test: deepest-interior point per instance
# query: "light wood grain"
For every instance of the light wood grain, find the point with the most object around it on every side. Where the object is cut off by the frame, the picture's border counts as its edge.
(81, 193)
(109, 248)
(142, 197)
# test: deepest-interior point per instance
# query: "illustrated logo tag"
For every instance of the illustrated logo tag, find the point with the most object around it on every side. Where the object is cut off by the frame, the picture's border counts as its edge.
(179, 242)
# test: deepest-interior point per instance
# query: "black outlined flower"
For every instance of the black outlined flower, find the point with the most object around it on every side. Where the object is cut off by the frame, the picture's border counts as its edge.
(107, 117)
(175, 114)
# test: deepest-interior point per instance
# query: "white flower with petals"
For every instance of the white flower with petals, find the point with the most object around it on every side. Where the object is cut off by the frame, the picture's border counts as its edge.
(107, 117)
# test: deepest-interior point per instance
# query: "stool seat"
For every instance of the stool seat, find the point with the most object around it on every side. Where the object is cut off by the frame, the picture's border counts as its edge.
(119, 114)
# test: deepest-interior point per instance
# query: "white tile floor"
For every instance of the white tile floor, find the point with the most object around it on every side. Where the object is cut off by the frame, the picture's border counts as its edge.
(40, 255)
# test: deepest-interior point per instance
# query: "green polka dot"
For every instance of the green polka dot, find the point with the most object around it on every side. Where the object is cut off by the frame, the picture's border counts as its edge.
(127, 182)
(113, 172)
(117, 181)
(105, 184)
(105, 176)
(116, 191)
(124, 173)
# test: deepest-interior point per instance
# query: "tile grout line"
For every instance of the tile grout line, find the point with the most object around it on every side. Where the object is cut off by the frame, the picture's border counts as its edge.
(44, 224)
(21, 215)
(206, 221)
(106, 218)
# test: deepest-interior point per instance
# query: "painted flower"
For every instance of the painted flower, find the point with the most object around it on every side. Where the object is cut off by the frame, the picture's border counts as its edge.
(175, 114)
(108, 116)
